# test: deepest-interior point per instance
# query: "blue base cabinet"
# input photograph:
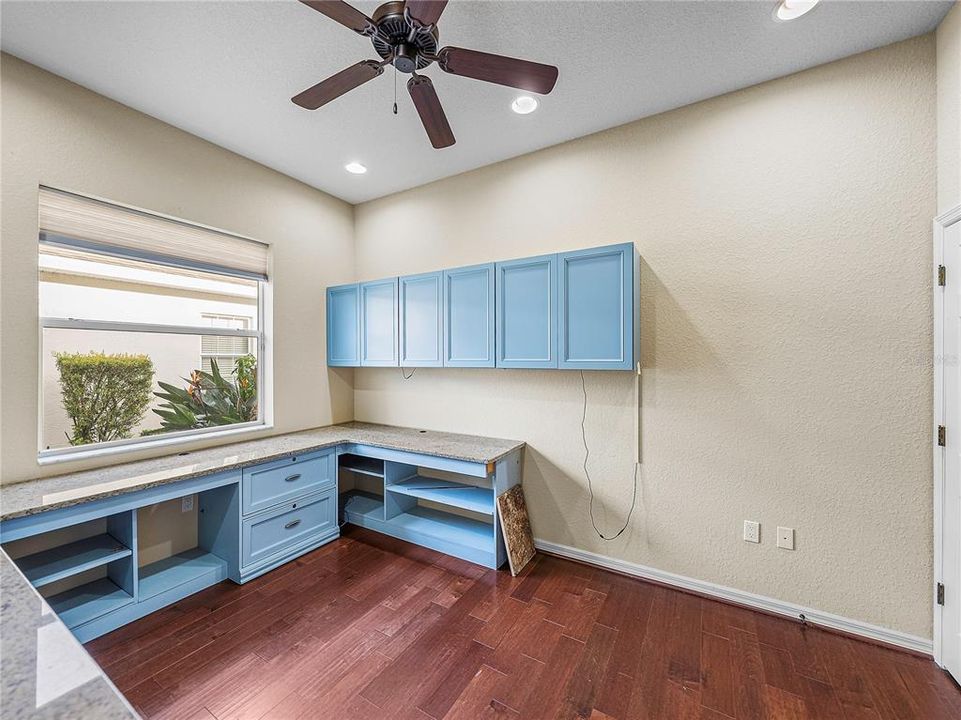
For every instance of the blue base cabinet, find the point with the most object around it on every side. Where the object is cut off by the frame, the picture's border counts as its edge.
(248, 522)
(577, 310)
(455, 514)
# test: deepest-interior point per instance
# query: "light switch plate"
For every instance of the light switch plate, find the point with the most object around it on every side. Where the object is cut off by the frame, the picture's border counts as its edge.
(187, 504)
(752, 531)
(785, 538)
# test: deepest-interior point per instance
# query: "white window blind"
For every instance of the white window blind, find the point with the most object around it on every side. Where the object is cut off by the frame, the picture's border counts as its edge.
(87, 223)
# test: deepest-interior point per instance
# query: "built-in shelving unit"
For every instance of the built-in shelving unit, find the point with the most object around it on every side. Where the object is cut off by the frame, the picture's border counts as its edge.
(178, 570)
(85, 570)
(64, 561)
(89, 601)
(362, 465)
(453, 514)
(446, 492)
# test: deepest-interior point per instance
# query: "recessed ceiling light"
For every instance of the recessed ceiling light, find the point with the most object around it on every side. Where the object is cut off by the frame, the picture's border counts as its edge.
(793, 9)
(356, 168)
(524, 105)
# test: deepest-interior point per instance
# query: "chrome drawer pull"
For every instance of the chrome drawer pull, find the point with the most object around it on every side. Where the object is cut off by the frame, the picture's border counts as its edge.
(292, 524)
(291, 478)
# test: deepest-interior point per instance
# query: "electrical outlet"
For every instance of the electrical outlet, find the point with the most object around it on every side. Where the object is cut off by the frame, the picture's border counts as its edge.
(752, 531)
(785, 538)
(187, 504)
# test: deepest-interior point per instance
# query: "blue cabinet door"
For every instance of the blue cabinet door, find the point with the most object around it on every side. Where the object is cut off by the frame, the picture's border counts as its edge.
(343, 326)
(421, 321)
(378, 323)
(526, 312)
(469, 316)
(597, 308)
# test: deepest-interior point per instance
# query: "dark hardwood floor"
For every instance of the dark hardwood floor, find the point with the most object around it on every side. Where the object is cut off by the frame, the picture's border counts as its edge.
(369, 627)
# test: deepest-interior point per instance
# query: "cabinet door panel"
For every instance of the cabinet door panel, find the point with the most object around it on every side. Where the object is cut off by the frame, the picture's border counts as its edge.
(596, 320)
(526, 313)
(343, 326)
(420, 320)
(469, 316)
(378, 323)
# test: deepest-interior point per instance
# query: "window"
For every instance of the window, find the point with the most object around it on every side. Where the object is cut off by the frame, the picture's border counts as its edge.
(224, 349)
(152, 330)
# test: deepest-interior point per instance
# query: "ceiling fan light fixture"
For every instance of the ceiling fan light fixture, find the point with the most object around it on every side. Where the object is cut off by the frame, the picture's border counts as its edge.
(793, 9)
(355, 168)
(524, 105)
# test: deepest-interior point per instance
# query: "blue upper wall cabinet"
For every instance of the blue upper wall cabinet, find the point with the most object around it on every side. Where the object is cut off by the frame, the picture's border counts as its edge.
(343, 326)
(378, 323)
(577, 310)
(527, 312)
(598, 317)
(421, 320)
(469, 316)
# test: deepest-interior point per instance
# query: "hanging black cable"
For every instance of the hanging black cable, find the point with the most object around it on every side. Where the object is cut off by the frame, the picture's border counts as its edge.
(590, 485)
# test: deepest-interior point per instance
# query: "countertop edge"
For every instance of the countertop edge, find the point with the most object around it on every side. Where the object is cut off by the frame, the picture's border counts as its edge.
(346, 438)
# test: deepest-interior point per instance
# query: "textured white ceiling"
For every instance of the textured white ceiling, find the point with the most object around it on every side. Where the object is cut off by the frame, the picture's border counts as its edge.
(226, 71)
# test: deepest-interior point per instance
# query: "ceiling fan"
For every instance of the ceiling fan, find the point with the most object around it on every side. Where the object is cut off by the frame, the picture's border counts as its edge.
(405, 35)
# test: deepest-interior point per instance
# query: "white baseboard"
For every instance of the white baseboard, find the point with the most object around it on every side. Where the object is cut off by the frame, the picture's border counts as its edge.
(760, 602)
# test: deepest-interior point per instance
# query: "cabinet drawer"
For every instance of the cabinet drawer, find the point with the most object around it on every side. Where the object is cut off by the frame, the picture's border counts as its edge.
(279, 482)
(271, 533)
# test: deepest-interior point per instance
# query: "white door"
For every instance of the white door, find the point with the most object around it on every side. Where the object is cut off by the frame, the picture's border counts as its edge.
(948, 457)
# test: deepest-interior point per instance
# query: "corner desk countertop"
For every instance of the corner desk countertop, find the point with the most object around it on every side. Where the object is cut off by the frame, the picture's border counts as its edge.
(35, 496)
(46, 673)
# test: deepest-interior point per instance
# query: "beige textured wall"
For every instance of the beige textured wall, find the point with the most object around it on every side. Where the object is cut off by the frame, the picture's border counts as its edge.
(949, 110)
(57, 133)
(785, 236)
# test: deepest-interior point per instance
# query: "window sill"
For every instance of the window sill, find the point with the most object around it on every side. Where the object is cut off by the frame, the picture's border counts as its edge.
(122, 447)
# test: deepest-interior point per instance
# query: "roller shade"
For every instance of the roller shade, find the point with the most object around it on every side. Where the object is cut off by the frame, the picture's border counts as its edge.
(82, 222)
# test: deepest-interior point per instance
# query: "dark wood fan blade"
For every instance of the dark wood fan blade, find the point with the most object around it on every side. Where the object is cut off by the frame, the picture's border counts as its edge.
(522, 74)
(345, 14)
(431, 113)
(336, 85)
(426, 12)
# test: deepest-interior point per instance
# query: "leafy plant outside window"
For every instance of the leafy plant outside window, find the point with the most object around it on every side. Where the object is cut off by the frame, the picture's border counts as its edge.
(105, 396)
(210, 399)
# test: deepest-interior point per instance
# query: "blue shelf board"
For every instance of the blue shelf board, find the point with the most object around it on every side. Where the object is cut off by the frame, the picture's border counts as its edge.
(447, 527)
(63, 561)
(455, 535)
(446, 492)
(178, 569)
(86, 602)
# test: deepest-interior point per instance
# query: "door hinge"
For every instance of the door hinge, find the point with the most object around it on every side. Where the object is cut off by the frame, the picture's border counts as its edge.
(940, 593)
(942, 275)
(941, 435)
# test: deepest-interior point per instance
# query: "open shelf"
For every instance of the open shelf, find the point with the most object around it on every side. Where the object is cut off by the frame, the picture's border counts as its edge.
(176, 570)
(446, 527)
(446, 492)
(89, 601)
(362, 465)
(448, 533)
(64, 561)
(362, 505)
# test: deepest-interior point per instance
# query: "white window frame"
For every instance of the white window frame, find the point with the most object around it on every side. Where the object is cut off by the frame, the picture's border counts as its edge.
(113, 447)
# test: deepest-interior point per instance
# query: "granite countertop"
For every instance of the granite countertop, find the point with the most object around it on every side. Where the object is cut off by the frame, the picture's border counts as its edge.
(36, 496)
(44, 671)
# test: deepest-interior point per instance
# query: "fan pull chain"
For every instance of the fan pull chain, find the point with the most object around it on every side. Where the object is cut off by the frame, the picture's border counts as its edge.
(395, 91)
